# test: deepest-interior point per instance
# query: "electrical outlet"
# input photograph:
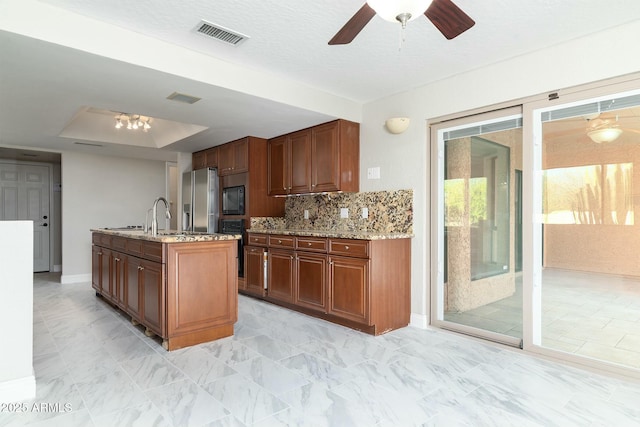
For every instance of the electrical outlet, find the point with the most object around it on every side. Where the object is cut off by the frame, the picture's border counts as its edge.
(373, 173)
(344, 212)
(306, 214)
(365, 213)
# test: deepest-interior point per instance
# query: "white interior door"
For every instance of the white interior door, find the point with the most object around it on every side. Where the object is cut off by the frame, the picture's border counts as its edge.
(24, 195)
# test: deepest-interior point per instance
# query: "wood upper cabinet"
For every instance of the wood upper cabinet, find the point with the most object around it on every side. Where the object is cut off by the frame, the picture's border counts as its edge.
(205, 159)
(318, 159)
(233, 157)
(198, 160)
(278, 159)
(300, 162)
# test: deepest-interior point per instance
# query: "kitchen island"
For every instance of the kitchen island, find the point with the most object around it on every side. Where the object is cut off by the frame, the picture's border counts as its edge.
(179, 286)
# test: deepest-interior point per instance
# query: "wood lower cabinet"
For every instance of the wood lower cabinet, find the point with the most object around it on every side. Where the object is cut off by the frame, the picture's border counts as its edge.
(254, 274)
(280, 275)
(349, 284)
(151, 282)
(133, 281)
(363, 284)
(186, 293)
(311, 281)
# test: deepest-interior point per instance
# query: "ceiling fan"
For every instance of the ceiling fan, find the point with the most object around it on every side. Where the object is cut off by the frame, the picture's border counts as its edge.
(448, 18)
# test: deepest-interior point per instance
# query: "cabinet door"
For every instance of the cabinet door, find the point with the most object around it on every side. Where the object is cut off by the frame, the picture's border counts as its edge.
(281, 275)
(96, 268)
(117, 277)
(349, 288)
(325, 167)
(105, 279)
(311, 281)
(153, 296)
(211, 158)
(233, 157)
(198, 160)
(225, 159)
(133, 278)
(300, 169)
(278, 163)
(254, 270)
(241, 155)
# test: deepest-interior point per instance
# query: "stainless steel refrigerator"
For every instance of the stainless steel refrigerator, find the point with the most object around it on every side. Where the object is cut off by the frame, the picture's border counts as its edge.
(200, 200)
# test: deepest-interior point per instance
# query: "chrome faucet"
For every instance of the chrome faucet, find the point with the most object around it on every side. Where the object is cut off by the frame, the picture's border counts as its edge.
(154, 217)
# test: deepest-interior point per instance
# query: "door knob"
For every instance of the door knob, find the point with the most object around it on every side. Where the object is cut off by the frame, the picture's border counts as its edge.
(45, 224)
(44, 217)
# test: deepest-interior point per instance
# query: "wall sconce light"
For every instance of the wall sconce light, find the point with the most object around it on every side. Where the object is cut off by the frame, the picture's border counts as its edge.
(397, 124)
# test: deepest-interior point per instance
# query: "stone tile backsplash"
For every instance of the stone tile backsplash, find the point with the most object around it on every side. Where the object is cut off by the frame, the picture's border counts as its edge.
(389, 212)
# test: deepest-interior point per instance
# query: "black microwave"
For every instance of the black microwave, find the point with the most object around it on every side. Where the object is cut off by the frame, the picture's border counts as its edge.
(233, 200)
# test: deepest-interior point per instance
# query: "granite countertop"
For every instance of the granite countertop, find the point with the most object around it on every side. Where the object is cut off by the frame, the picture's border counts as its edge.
(341, 234)
(167, 236)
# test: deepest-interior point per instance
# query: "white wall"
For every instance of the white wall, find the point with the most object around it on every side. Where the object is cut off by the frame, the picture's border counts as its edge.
(17, 381)
(100, 191)
(404, 159)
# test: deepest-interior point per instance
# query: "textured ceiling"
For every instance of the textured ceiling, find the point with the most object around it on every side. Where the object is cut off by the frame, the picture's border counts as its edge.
(45, 85)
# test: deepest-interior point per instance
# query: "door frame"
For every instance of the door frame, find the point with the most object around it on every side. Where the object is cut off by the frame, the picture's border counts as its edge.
(437, 220)
(53, 219)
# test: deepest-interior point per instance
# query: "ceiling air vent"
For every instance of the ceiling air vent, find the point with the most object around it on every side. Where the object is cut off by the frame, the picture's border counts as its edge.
(220, 33)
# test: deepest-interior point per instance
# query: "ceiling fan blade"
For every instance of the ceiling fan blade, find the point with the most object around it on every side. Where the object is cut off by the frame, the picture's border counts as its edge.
(448, 18)
(353, 26)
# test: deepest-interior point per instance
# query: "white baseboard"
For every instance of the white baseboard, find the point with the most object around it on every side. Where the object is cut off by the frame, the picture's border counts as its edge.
(419, 320)
(18, 390)
(57, 268)
(75, 278)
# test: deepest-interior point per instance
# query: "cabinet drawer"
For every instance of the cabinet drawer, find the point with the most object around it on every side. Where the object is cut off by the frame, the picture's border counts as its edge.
(312, 244)
(118, 243)
(105, 240)
(153, 251)
(134, 246)
(281, 241)
(257, 239)
(354, 248)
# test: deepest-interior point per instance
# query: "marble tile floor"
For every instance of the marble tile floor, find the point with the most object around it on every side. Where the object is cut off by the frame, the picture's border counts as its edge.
(593, 315)
(282, 368)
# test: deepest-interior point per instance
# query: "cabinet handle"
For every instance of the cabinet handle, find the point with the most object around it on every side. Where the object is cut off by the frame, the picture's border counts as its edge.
(99, 253)
(117, 259)
(140, 268)
(291, 257)
(253, 250)
(346, 248)
(279, 241)
(309, 244)
(255, 239)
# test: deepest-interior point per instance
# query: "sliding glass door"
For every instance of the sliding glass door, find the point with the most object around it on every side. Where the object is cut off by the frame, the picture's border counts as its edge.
(586, 269)
(479, 290)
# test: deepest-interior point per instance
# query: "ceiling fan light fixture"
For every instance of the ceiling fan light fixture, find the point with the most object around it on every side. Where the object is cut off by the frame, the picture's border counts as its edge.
(608, 134)
(401, 11)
